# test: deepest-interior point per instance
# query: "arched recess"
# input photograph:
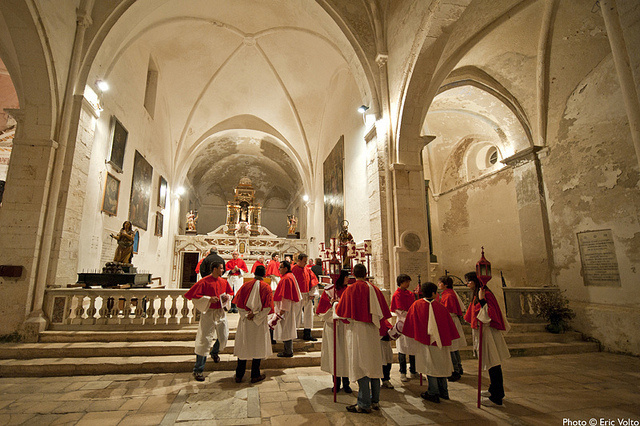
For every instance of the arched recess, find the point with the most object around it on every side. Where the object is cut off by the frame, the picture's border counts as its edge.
(433, 65)
(242, 122)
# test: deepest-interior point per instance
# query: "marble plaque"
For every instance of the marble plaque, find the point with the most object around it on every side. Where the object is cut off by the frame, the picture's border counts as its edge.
(598, 256)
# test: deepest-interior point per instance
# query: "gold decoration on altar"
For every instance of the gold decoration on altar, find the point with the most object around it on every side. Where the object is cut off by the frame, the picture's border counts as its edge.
(244, 214)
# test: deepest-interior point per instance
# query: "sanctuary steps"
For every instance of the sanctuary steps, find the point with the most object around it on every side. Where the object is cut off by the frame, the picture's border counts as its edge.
(62, 353)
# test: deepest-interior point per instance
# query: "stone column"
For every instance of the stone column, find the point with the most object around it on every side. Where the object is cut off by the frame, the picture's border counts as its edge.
(376, 191)
(412, 248)
(532, 214)
(22, 217)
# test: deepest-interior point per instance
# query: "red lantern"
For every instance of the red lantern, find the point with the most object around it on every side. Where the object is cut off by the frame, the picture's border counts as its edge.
(483, 269)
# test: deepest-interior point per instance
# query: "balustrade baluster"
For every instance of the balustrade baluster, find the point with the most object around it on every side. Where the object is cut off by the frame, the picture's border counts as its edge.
(184, 311)
(162, 311)
(173, 311)
(79, 311)
(91, 311)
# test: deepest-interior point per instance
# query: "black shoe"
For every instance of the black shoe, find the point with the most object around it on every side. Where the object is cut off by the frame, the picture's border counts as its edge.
(454, 377)
(445, 397)
(461, 372)
(334, 390)
(347, 389)
(198, 376)
(273, 342)
(432, 398)
(355, 408)
(307, 336)
(259, 378)
(285, 355)
(238, 379)
(216, 358)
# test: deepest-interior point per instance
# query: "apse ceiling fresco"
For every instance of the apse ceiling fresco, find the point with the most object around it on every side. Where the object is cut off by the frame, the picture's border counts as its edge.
(227, 159)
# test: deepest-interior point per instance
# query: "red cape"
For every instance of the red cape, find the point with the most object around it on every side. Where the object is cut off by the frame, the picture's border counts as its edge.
(255, 265)
(402, 300)
(302, 276)
(198, 265)
(385, 326)
(266, 295)
(417, 322)
(450, 301)
(236, 262)
(495, 314)
(286, 289)
(209, 286)
(273, 268)
(313, 280)
(354, 303)
(324, 304)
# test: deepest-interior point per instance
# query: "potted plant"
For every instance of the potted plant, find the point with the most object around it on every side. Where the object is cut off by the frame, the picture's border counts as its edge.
(553, 307)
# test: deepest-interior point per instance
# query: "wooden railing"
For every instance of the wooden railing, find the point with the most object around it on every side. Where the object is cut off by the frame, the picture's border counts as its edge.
(105, 309)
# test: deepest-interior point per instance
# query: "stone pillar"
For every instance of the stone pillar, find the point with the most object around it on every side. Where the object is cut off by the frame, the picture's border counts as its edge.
(376, 191)
(64, 251)
(412, 248)
(533, 217)
(22, 217)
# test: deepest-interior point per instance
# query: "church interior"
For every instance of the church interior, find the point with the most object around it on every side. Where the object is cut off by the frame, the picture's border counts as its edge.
(436, 128)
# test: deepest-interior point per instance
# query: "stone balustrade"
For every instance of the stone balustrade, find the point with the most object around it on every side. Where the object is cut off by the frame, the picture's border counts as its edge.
(106, 309)
(522, 302)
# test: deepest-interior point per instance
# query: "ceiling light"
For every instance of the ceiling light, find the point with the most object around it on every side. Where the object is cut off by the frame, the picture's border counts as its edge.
(102, 85)
(362, 109)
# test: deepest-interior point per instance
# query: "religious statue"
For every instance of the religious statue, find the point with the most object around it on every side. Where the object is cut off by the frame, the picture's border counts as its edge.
(124, 251)
(192, 218)
(293, 224)
(344, 238)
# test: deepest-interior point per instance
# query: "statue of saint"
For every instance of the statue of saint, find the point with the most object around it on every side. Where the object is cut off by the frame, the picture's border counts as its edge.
(192, 218)
(345, 237)
(293, 224)
(124, 251)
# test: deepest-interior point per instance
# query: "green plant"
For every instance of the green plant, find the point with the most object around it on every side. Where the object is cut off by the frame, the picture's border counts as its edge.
(554, 308)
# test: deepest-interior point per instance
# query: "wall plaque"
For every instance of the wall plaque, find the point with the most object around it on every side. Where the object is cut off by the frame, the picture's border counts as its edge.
(598, 257)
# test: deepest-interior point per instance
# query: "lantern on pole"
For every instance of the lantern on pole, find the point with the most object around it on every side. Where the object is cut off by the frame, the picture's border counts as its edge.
(483, 272)
(483, 269)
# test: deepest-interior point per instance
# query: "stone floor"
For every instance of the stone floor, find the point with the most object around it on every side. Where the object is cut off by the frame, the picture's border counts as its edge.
(545, 390)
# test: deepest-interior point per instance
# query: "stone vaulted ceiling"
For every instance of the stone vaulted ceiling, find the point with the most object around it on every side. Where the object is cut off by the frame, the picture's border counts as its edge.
(273, 60)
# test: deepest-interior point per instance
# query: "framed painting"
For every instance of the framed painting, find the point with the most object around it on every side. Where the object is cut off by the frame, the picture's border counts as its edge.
(333, 174)
(110, 195)
(118, 143)
(162, 192)
(136, 241)
(140, 192)
(159, 220)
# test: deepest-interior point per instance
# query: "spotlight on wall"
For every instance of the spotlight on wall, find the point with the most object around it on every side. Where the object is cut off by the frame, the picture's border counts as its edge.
(102, 85)
(362, 109)
(305, 198)
(181, 190)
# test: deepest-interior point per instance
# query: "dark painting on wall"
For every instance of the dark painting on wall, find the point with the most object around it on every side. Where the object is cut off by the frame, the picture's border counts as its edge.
(159, 220)
(140, 192)
(110, 195)
(333, 169)
(162, 192)
(118, 143)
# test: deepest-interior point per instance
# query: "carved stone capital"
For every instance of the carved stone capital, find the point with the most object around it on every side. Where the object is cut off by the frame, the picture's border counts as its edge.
(382, 59)
(83, 18)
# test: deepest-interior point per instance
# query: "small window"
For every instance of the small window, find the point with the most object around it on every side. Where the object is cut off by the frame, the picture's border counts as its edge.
(151, 88)
(493, 156)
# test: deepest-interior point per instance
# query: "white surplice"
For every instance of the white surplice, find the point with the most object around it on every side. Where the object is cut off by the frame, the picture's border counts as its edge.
(252, 336)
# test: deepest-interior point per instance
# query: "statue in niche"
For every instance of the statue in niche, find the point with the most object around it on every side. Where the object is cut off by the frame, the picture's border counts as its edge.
(244, 212)
(293, 224)
(192, 218)
(124, 251)
(344, 238)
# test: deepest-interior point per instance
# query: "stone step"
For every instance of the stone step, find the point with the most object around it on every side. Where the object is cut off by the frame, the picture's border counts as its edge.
(100, 348)
(185, 334)
(67, 366)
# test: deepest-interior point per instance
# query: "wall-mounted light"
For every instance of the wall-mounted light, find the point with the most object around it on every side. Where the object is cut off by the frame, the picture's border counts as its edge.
(181, 191)
(362, 109)
(305, 198)
(102, 85)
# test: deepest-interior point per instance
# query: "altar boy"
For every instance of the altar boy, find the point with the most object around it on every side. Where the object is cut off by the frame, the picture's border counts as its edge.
(430, 325)
(208, 295)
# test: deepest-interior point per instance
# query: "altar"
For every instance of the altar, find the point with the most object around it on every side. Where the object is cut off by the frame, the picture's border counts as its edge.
(242, 232)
